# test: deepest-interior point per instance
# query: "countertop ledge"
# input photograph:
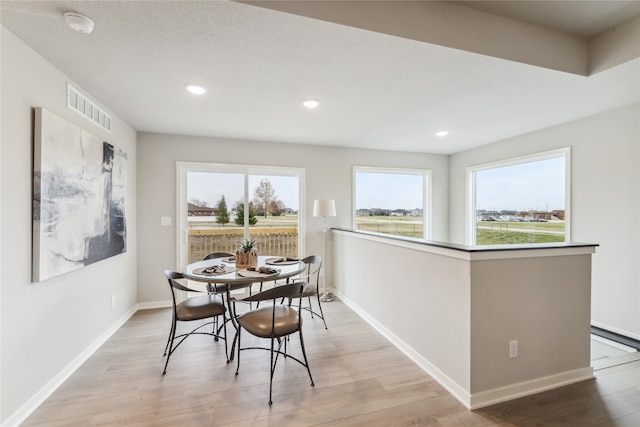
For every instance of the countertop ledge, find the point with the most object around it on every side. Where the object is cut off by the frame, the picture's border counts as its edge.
(466, 248)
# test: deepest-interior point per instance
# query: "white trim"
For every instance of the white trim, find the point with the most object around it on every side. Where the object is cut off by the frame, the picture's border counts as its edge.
(153, 304)
(527, 388)
(471, 174)
(427, 220)
(52, 385)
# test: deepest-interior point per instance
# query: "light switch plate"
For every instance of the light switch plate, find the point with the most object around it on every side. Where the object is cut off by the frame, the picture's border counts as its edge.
(165, 220)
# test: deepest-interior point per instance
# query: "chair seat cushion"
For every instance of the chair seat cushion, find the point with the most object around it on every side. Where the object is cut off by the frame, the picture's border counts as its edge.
(258, 321)
(200, 307)
(309, 291)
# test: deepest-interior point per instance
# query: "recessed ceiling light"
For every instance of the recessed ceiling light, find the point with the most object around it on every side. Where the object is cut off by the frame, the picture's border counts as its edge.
(311, 103)
(195, 88)
(442, 133)
(78, 22)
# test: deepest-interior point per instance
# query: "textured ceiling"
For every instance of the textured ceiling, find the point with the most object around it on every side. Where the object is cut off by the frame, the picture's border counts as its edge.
(376, 91)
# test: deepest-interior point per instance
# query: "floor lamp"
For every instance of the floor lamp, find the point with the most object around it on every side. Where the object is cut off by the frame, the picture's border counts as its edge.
(324, 208)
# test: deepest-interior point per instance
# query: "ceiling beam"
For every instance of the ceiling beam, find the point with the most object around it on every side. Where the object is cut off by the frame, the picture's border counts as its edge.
(615, 46)
(451, 25)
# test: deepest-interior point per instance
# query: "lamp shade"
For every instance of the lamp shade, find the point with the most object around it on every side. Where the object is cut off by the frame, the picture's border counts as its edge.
(324, 208)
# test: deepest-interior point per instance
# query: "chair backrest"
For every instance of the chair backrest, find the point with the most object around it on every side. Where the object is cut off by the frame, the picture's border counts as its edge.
(312, 270)
(173, 277)
(290, 290)
(215, 255)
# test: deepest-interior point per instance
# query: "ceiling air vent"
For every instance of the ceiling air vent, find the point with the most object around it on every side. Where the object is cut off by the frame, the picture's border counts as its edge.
(80, 104)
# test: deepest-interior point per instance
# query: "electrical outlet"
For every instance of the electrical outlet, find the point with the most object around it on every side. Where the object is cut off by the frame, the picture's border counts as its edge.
(165, 220)
(513, 348)
(113, 301)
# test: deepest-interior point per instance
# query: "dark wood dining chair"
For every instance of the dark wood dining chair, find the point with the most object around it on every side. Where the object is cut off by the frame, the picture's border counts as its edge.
(193, 308)
(274, 322)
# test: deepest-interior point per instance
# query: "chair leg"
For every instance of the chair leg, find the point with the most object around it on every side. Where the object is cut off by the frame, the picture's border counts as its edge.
(172, 332)
(321, 312)
(310, 306)
(215, 328)
(237, 337)
(258, 303)
(304, 353)
(273, 368)
(170, 346)
(224, 326)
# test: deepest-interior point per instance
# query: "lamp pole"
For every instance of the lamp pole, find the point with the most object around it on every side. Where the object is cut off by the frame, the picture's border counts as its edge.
(324, 208)
(325, 297)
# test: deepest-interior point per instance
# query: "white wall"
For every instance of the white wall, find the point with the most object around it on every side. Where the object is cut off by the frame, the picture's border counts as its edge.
(328, 174)
(605, 168)
(47, 326)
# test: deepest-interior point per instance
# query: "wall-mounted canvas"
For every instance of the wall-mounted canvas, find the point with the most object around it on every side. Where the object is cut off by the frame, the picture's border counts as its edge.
(79, 190)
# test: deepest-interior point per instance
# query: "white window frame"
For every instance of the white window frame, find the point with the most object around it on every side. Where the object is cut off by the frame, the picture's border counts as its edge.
(182, 170)
(471, 174)
(426, 197)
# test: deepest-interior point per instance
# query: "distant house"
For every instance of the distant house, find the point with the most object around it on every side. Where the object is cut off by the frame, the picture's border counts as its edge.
(288, 211)
(400, 212)
(553, 215)
(380, 212)
(363, 212)
(193, 210)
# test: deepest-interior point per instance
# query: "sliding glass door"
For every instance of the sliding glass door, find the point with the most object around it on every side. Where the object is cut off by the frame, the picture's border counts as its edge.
(221, 205)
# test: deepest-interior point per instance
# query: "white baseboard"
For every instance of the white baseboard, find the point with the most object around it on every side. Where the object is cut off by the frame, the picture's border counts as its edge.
(47, 390)
(527, 388)
(153, 304)
(484, 398)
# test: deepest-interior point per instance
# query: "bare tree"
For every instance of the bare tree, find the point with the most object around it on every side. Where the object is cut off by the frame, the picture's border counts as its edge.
(263, 195)
(199, 202)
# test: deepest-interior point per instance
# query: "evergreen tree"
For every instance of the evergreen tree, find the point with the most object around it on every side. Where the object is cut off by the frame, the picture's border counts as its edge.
(240, 215)
(223, 213)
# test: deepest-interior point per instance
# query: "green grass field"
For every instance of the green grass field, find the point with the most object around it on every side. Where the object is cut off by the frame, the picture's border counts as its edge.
(496, 237)
(399, 225)
(487, 233)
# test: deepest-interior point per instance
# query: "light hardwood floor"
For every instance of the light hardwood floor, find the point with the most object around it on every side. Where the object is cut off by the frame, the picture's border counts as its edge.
(361, 380)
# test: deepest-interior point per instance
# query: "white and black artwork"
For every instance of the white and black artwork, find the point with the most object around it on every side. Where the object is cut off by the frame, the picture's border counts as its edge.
(79, 189)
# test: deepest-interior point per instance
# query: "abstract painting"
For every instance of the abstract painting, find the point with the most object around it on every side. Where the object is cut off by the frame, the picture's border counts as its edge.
(79, 191)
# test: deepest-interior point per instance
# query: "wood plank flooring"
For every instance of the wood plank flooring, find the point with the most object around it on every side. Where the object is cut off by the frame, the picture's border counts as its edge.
(361, 380)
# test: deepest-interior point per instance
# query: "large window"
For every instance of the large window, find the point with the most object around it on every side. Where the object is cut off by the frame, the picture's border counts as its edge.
(520, 201)
(221, 205)
(392, 201)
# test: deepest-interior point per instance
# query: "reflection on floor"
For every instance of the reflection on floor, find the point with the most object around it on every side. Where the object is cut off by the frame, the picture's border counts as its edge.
(606, 353)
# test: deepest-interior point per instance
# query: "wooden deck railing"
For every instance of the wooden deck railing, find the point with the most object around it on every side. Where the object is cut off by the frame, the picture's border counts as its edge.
(271, 241)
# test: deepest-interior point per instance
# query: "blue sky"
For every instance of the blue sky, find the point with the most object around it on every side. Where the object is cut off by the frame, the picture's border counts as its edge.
(530, 186)
(210, 187)
(389, 191)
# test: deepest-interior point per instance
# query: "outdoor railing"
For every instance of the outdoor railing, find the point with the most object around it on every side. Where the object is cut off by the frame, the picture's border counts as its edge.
(281, 242)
